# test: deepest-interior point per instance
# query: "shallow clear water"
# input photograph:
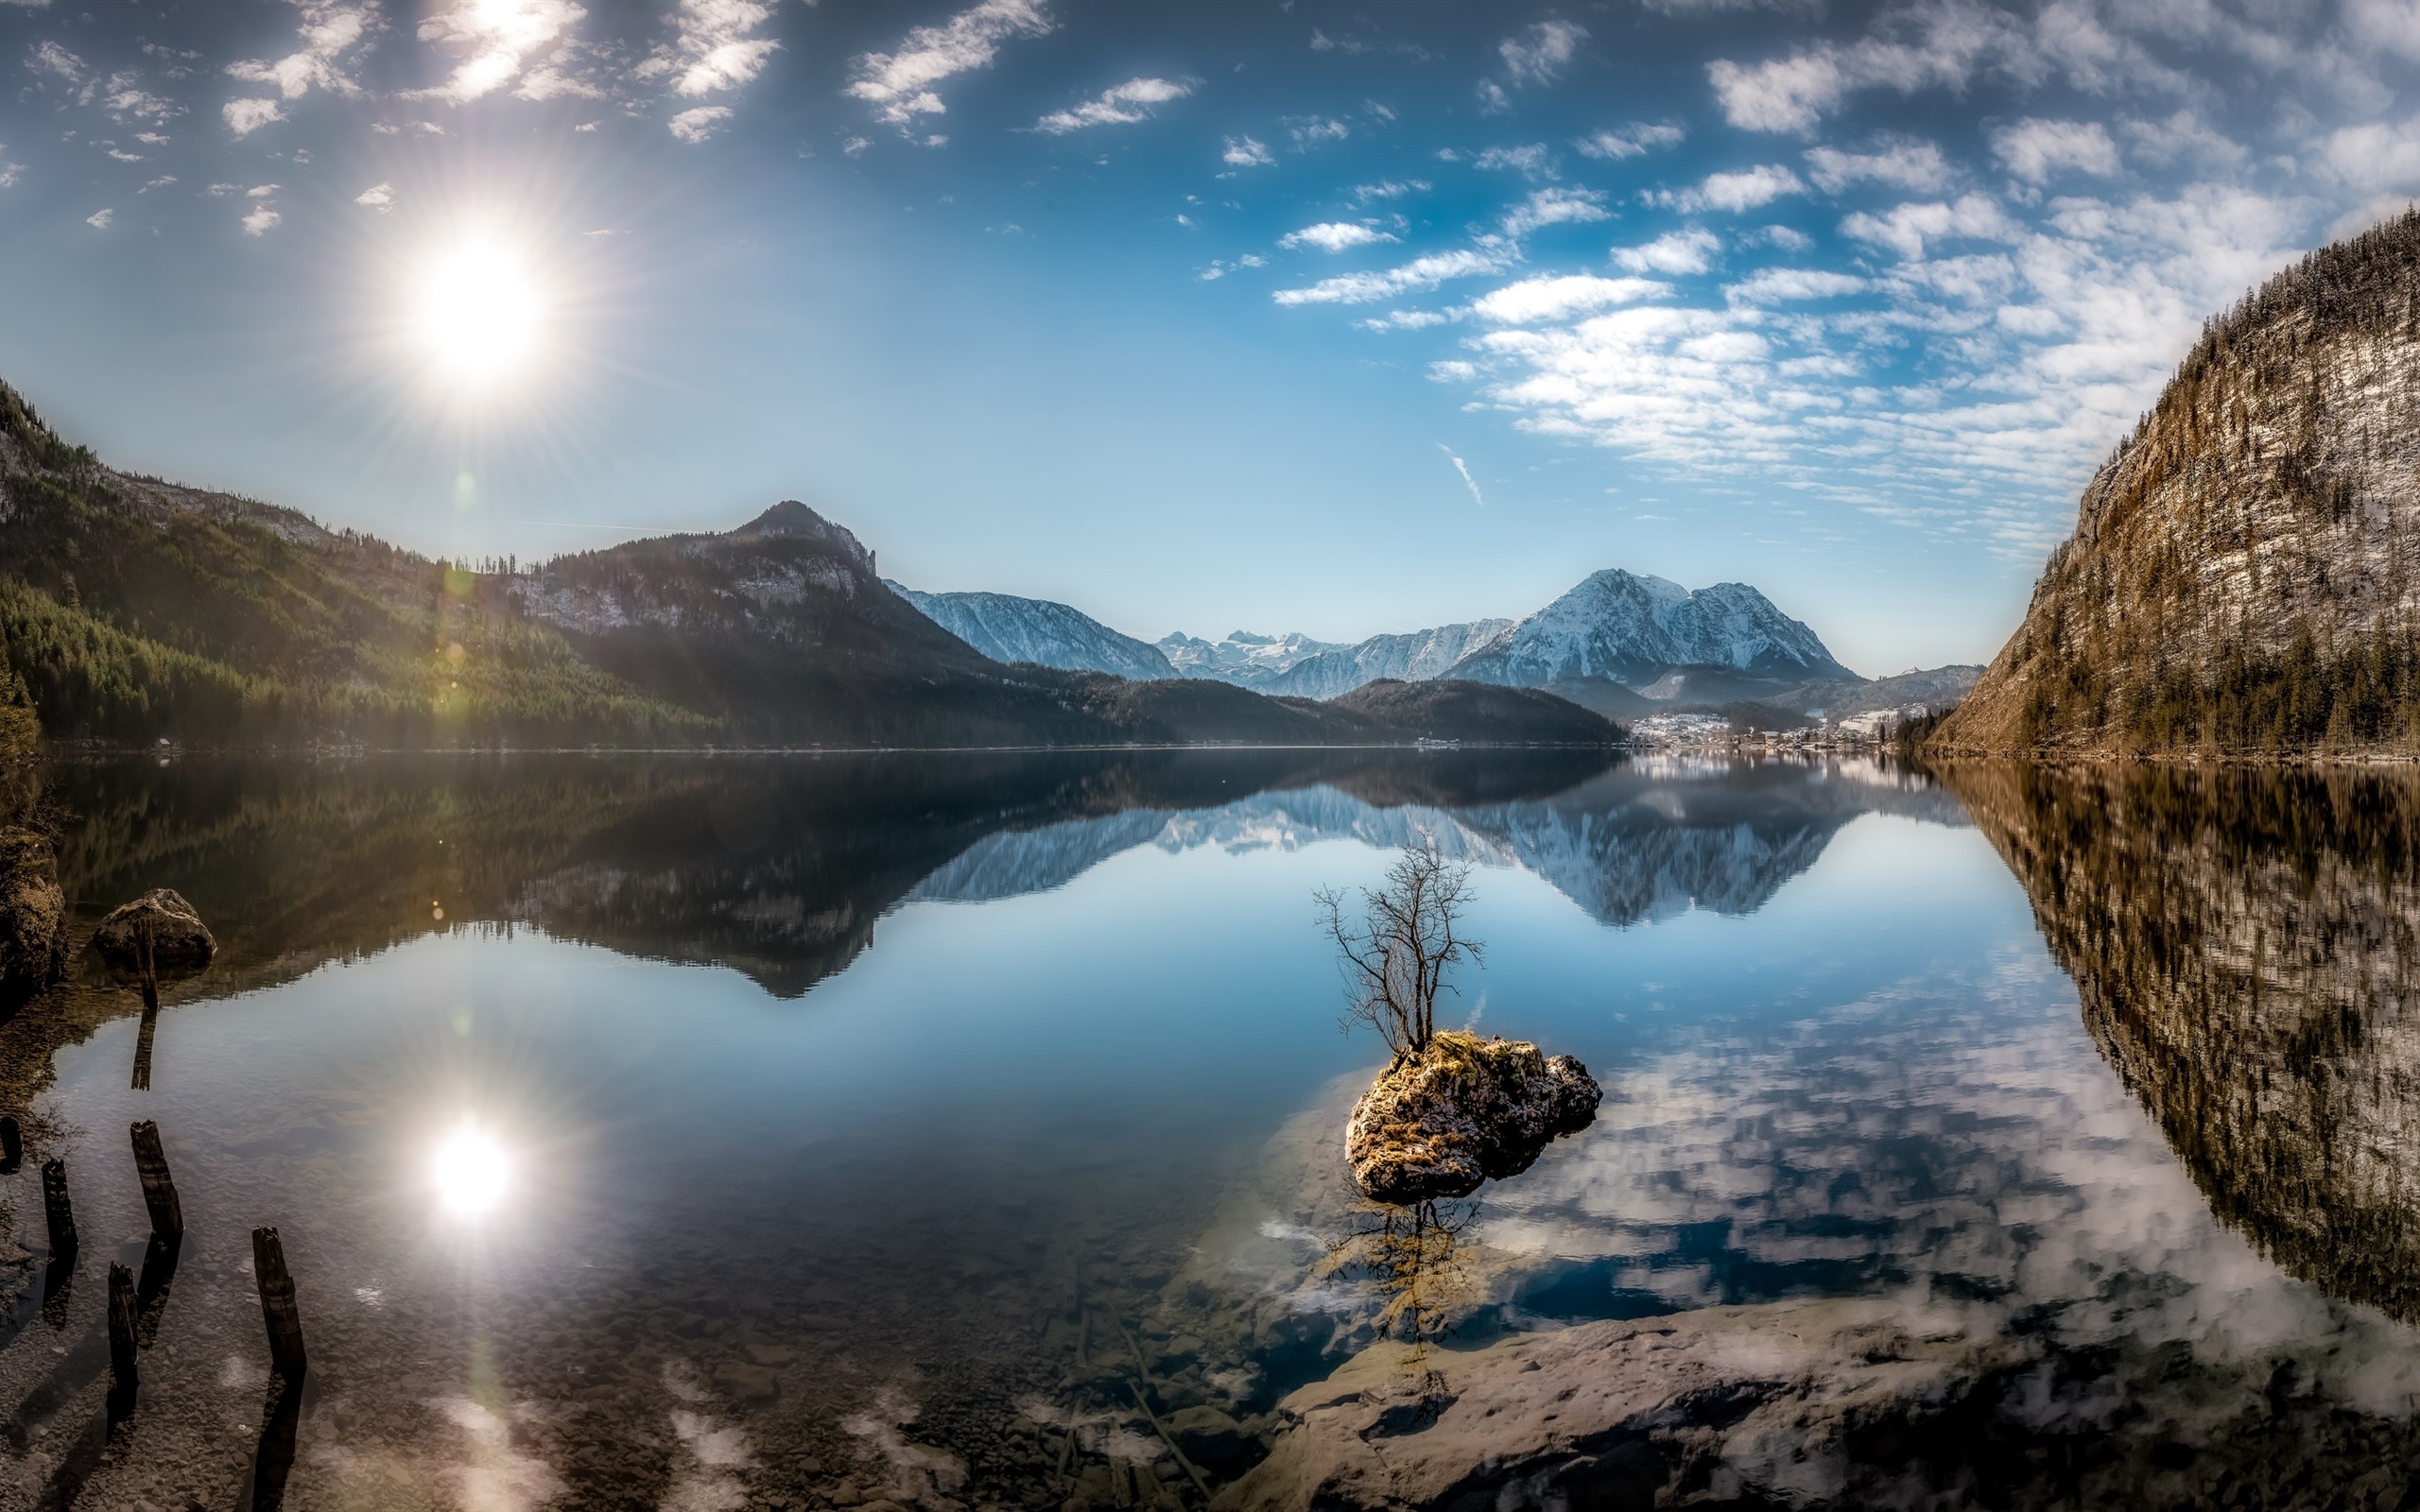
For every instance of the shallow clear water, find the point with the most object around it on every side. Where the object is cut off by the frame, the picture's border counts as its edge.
(706, 1134)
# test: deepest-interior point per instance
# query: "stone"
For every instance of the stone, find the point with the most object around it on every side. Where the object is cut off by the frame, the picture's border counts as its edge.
(33, 914)
(1212, 1440)
(749, 1385)
(1785, 1401)
(180, 940)
(1463, 1110)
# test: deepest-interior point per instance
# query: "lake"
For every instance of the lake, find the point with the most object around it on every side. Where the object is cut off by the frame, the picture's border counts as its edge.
(702, 1133)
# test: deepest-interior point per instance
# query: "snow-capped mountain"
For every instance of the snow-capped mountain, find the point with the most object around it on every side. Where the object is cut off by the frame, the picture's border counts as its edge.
(1632, 628)
(1006, 628)
(1413, 657)
(1246, 658)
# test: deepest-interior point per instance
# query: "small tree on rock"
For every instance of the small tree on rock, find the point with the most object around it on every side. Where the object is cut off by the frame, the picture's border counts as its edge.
(1394, 959)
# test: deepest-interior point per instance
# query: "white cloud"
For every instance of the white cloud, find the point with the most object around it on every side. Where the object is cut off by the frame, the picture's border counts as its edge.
(124, 99)
(244, 117)
(1491, 255)
(1334, 236)
(1634, 141)
(1531, 160)
(501, 42)
(1938, 45)
(2033, 150)
(695, 126)
(1244, 152)
(901, 85)
(329, 32)
(1733, 192)
(161, 182)
(1363, 194)
(1773, 285)
(1913, 166)
(99, 219)
(1533, 301)
(1908, 229)
(1317, 131)
(261, 191)
(47, 57)
(715, 46)
(1464, 468)
(1536, 54)
(378, 196)
(260, 220)
(1555, 207)
(1118, 105)
(1679, 251)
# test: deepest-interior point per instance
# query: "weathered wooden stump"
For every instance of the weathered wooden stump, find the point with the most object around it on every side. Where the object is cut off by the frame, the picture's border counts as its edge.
(278, 1310)
(122, 1345)
(159, 1191)
(55, 1209)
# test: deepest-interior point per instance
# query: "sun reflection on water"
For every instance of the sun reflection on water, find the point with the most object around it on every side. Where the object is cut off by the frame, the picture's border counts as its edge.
(470, 1171)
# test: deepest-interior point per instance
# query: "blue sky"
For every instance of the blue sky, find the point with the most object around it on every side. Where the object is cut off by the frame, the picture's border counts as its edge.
(1207, 317)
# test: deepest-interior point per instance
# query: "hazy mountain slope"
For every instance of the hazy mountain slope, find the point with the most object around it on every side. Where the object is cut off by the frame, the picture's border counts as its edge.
(2241, 577)
(1451, 710)
(1008, 629)
(1632, 628)
(1934, 688)
(1407, 658)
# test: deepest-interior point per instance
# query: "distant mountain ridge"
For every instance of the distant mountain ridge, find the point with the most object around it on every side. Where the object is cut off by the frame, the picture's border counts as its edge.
(1009, 630)
(141, 611)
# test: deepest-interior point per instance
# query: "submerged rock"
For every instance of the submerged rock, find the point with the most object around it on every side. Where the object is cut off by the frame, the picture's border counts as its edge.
(180, 940)
(1465, 1109)
(33, 914)
(1780, 1404)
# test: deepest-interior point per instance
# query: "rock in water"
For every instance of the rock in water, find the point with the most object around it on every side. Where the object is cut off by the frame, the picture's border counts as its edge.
(1465, 1109)
(33, 914)
(180, 940)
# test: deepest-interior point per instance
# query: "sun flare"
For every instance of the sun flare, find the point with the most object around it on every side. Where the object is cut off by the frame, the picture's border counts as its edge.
(479, 313)
(470, 1171)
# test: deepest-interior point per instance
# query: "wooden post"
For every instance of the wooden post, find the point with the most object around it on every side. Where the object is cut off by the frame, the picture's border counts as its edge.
(12, 1144)
(158, 1192)
(55, 1209)
(122, 1327)
(278, 1311)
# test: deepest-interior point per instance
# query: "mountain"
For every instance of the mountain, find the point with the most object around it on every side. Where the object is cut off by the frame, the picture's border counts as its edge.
(1418, 655)
(2241, 576)
(137, 610)
(1634, 630)
(1244, 659)
(1006, 628)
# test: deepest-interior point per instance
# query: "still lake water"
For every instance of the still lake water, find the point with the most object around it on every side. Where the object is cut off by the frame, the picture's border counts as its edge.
(869, 1128)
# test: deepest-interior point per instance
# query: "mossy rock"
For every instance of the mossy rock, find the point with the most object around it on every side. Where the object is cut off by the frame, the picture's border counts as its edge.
(1462, 1111)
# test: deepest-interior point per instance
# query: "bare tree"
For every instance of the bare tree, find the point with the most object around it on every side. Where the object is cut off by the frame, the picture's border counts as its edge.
(1394, 959)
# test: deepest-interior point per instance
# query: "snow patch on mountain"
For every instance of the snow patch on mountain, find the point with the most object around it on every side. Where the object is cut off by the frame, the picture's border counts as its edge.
(1008, 629)
(1244, 657)
(1413, 657)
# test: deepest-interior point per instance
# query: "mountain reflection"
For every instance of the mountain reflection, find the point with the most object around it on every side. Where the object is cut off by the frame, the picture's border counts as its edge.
(781, 867)
(2244, 944)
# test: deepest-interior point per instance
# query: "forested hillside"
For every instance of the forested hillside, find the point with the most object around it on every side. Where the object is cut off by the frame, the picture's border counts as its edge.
(2245, 576)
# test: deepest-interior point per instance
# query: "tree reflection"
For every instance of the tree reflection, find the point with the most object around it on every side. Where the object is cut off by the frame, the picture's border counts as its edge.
(1404, 1257)
(2245, 945)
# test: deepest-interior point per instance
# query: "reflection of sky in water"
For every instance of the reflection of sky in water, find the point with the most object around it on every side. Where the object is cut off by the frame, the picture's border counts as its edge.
(747, 1242)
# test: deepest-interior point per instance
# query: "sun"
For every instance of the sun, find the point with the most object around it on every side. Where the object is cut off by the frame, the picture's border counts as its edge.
(479, 313)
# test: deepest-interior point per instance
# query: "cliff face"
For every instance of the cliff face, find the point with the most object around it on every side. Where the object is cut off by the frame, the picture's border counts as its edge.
(2244, 943)
(2242, 574)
